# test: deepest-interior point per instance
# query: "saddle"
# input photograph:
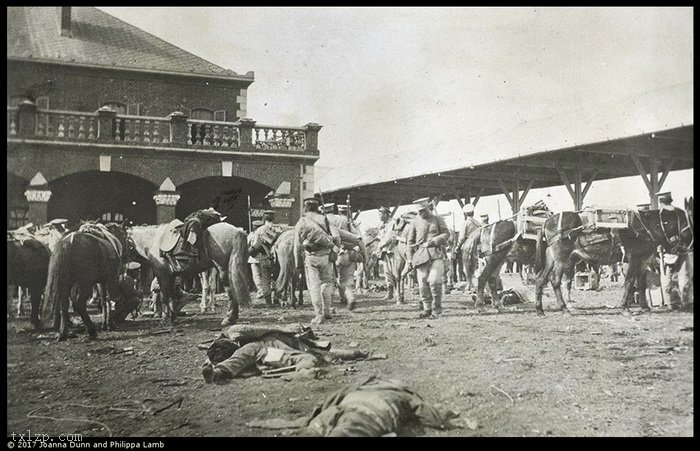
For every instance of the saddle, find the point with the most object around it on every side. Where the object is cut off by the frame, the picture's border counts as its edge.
(106, 239)
(171, 235)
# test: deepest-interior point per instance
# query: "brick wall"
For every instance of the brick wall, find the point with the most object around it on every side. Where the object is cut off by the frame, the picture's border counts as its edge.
(87, 89)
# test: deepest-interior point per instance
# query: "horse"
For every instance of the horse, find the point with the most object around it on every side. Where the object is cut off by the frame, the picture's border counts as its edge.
(82, 258)
(395, 241)
(640, 241)
(208, 280)
(498, 242)
(224, 246)
(28, 266)
(289, 278)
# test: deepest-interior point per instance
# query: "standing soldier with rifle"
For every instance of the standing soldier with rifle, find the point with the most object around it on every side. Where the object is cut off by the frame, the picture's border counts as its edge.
(314, 243)
(350, 254)
(385, 254)
(427, 236)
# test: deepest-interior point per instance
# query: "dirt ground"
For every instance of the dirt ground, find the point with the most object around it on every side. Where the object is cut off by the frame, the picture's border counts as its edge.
(592, 373)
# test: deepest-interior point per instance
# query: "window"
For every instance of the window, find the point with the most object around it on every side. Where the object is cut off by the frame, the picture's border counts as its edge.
(202, 114)
(134, 109)
(112, 217)
(220, 115)
(19, 216)
(16, 100)
(119, 107)
(303, 186)
(42, 103)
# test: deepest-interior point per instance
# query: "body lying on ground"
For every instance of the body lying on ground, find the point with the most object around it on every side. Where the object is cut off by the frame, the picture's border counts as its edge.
(372, 408)
(244, 351)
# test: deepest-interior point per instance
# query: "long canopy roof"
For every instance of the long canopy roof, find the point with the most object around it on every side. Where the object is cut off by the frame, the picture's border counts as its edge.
(534, 154)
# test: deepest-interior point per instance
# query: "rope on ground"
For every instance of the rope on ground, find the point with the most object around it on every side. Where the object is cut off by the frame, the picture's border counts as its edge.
(511, 399)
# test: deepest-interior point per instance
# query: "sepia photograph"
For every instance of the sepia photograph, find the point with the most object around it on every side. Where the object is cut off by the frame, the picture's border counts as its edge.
(260, 222)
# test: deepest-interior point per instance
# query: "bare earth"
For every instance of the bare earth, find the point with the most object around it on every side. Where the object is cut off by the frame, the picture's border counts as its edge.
(594, 373)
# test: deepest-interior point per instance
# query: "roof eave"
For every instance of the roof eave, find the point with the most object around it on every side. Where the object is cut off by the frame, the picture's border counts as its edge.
(248, 78)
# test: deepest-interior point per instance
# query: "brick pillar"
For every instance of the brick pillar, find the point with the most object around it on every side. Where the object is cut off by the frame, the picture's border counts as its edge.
(105, 124)
(245, 128)
(312, 130)
(38, 198)
(27, 119)
(178, 128)
(165, 205)
(283, 209)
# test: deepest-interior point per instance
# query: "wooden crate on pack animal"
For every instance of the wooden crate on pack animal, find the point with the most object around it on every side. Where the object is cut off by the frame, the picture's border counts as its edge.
(528, 225)
(609, 218)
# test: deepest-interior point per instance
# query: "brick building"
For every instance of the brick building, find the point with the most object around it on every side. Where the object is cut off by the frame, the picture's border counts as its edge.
(107, 121)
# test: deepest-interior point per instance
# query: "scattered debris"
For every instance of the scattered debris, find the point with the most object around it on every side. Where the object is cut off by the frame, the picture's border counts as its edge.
(278, 423)
(377, 356)
(177, 402)
(511, 399)
(686, 329)
(608, 392)
(354, 344)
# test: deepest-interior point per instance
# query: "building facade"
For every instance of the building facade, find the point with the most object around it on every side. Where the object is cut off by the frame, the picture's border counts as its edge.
(107, 121)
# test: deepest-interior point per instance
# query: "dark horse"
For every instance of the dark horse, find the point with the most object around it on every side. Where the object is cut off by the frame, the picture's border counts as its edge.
(641, 239)
(289, 278)
(27, 266)
(81, 259)
(509, 239)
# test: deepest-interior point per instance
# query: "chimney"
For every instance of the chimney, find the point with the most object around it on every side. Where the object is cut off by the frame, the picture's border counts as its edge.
(65, 21)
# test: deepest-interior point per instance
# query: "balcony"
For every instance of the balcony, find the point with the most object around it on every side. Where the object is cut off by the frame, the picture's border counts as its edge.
(105, 126)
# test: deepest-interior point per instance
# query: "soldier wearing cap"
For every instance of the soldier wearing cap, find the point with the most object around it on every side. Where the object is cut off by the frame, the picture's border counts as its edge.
(59, 225)
(314, 244)
(427, 235)
(485, 219)
(470, 225)
(668, 215)
(261, 263)
(385, 253)
(643, 207)
(348, 256)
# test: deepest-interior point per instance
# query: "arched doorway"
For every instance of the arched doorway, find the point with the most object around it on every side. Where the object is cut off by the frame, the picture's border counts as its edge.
(17, 205)
(102, 195)
(228, 195)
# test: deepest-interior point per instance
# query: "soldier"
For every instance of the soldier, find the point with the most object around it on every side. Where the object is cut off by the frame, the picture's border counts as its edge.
(261, 264)
(385, 253)
(427, 236)
(470, 225)
(670, 257)
(348, 256)
(314, 242)
(59, 225)
(485, 219)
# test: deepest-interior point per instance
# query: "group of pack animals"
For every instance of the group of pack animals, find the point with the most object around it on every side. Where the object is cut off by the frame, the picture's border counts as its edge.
(66, 267)
(553, 243)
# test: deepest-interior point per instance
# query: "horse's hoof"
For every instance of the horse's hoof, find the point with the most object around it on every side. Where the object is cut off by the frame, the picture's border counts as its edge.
(540, 312)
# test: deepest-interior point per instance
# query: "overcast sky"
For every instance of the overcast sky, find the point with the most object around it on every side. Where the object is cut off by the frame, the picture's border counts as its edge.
(380, 79)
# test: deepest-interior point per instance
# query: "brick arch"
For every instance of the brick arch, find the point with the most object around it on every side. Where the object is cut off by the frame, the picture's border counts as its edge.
(268, 173)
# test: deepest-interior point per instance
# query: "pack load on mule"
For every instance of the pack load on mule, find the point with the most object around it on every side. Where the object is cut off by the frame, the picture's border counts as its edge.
(181, 244)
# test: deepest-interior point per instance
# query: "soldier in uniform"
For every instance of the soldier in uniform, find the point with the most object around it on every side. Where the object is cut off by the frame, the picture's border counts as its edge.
(59, 225)
(485, 219)
(385, 253)
(315, 240)
(470, 225)
(348, 256)
(261, 264)
(426, 239)
(670, 257)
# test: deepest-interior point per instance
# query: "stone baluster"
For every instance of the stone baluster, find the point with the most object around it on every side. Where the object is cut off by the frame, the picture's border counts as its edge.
(91, 128)
(13, 125)
(61, 127)
(81, 127)
(71, 126)
(127, 129)
(217, 136)
(107, 125)
(156, 132)
(146, 131)
(26, 114)
(118, 122)
(136, 136)
(206, 139)
(40, 127)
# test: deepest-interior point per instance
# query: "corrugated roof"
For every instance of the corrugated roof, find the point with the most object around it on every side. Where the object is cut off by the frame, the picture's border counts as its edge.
(655, 111)
(99, 39)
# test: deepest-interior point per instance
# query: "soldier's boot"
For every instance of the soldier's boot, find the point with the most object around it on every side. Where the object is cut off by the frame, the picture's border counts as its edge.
(389, 293)
(268, 300)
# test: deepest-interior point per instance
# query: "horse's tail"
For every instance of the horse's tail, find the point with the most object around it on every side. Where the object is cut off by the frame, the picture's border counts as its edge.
(470, 254)
(57, 284)
(540, 248)
(238, 263)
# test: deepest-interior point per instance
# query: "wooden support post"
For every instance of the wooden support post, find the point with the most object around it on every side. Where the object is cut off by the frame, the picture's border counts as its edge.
(667, 169)
(588, 184)
(565, 179)
(478, 196)
(357, 213)
(642, 171)
(393, 211)
(578, 200)
(527, 190)
(515, 207)
(459, 199)
(506, 192)
(654, 181)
